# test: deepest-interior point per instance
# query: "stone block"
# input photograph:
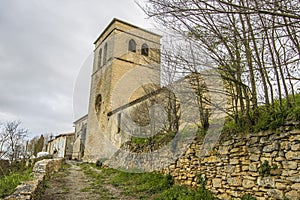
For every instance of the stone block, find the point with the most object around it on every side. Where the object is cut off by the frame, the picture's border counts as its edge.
(295, 138)
(246, 162)
(289, 172)
(234, 161)
(276, 194)
(295, 132)
(280, 158)
(274, 154)
(223, 150)
(191, 175)
(245, 168)
(295, 179)
(254, 157)
(250, 177)
(253, 167)
(293, 194)
(264, 140)
(255, 150)
(229, 168)
(234, 150)
(211, 159)
(234, 181)
(268, 182)
(280, 186)
(217, 183)
(228, 142)
(296, 186)
(295, 147)
(172, 166)
(293, 155)
(276, 172)
(188, 182)
(286, 145)
(263, 159)
(190, 151)
(253, 140)
(248, 183)
(289, 165)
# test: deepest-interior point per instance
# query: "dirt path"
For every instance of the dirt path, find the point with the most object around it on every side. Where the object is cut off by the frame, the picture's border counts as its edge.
(72, 184)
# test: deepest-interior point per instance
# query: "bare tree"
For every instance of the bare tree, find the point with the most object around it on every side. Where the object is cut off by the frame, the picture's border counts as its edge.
(253, 44)
(12, 140)
(3, 142)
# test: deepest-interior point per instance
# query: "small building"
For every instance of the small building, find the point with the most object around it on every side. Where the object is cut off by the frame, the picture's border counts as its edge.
(79, 140)
(61, 146)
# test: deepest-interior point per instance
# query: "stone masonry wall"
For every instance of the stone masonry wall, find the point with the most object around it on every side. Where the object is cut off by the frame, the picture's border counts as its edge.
(236, 166)
(41, 170)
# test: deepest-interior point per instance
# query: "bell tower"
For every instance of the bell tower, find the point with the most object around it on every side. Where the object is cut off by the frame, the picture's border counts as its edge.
(122, 52)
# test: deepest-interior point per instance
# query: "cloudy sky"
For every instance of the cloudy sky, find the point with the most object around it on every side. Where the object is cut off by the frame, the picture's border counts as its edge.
(45, 57)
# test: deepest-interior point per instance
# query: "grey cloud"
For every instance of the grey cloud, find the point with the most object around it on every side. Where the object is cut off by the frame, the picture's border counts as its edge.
(43, 44)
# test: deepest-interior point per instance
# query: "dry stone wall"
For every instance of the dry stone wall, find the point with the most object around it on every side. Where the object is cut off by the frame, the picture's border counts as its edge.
(32, 189)
(265, 165)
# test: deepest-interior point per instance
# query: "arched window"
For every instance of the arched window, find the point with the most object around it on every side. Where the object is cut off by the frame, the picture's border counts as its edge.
(100, 58)
(98, 102)
(132, 46)
(105, 54)
(145, 50)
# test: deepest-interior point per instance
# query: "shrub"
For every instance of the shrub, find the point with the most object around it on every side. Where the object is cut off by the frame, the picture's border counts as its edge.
(265, 168)
(231, 127)
(294, 114)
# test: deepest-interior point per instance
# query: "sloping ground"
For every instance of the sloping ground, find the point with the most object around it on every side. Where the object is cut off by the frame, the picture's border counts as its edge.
(72, 183)
(87, 181)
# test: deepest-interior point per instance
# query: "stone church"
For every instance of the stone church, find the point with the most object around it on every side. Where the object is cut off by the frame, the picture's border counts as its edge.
(128, 105)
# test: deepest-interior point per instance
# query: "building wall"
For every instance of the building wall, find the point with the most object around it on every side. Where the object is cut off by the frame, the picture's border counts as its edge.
(61, 146)
(69, 141)
(80, 135)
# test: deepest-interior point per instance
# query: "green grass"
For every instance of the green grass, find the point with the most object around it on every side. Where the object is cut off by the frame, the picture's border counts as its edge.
(10, 182)
(180, 192)
(148, 185)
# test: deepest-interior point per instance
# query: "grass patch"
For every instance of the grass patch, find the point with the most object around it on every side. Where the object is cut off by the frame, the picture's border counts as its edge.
(142, 185)
(180, 192)
(10, 182)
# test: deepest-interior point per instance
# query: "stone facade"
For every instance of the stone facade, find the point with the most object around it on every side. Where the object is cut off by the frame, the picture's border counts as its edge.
(80, 135)
(265, 165)
(122, 65)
